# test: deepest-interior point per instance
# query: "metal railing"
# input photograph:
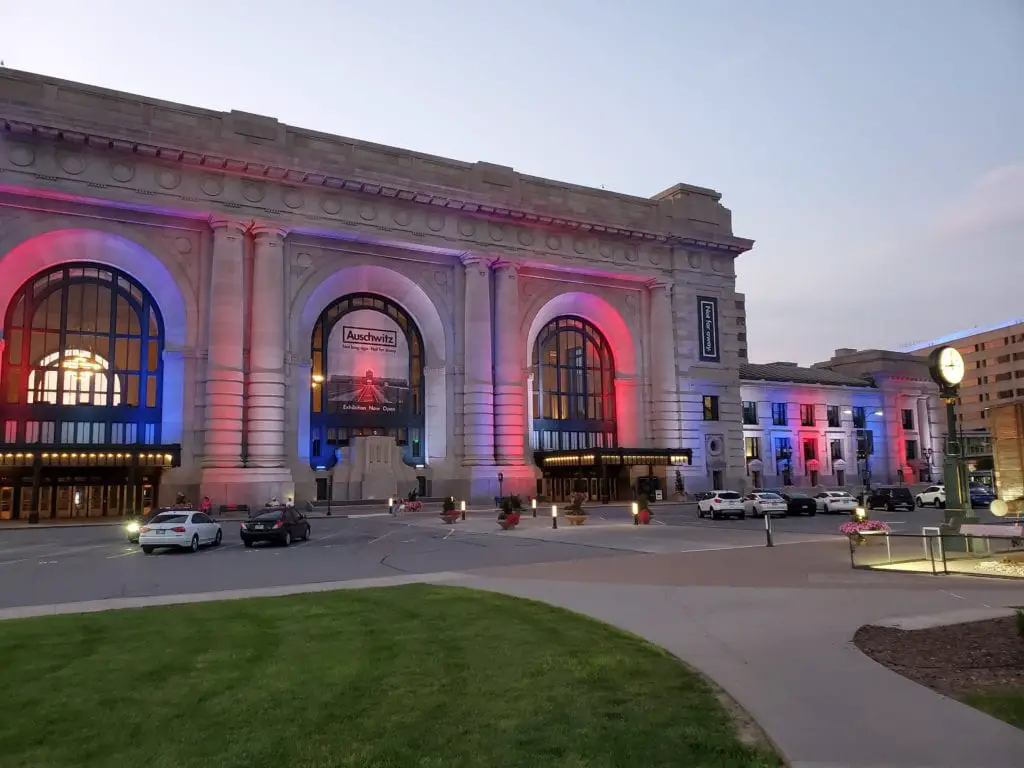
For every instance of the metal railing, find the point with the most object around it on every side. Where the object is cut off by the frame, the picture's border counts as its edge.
(998, 554)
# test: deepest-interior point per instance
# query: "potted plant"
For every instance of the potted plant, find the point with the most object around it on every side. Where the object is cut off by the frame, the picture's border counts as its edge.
(856, 527)
(508, 516)
(448, 511)
(644, 507)
(575, 513)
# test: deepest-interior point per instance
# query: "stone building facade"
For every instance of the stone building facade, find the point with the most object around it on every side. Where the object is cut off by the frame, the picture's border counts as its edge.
(862, 417)
(299, 315)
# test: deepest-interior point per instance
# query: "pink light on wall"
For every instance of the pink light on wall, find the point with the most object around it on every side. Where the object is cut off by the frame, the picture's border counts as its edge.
(623, 342)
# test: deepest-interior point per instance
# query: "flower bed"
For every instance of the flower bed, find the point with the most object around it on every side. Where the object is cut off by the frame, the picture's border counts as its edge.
(855, 527)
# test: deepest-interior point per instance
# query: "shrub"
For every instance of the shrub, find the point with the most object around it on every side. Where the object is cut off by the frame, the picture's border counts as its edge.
(449, 504)
(516, 502)
(575, 505)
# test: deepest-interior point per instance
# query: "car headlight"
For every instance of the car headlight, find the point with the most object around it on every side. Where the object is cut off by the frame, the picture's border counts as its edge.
(132, 527)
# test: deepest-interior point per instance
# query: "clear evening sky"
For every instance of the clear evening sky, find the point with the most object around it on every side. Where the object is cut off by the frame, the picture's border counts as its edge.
(874, 149)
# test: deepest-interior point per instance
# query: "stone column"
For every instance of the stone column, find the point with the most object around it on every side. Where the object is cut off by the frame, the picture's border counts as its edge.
(664, 386)
(224, 372)
(265, 400)
(478, 381)
(509, 399)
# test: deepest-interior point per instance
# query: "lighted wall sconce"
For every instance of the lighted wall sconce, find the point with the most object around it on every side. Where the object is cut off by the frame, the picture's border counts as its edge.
(317, 379)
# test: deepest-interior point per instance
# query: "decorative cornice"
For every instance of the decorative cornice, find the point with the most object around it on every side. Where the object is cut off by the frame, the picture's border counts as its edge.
(240, 227)
(297, 176)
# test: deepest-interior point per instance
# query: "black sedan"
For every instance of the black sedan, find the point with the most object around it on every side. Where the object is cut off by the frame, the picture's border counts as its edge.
(798, 503)
(280, 525)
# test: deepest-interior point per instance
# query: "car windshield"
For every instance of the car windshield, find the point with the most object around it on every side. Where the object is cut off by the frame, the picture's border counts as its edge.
(771, 497)
(799, 496)
(728, 495)
(840, 495)
(169, 518)
(273, 514)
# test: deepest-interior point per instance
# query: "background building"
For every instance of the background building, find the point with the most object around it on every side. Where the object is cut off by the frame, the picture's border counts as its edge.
(868, 416)
(995, 376)
(219, 304)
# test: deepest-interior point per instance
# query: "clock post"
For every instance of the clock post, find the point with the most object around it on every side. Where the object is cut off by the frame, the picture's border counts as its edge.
(947, 368)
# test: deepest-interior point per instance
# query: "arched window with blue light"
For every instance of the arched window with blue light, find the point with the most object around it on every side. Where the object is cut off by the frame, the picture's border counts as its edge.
(367, 378)
(573, 387)
(83, 360)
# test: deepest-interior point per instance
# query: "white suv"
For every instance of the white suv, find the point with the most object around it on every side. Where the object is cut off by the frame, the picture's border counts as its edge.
(721, 504)
(933, 495)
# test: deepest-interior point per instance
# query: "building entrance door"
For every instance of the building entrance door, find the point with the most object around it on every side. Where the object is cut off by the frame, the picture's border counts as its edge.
(6, 502)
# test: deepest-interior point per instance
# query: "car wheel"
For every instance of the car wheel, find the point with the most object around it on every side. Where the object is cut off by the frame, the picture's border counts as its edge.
(286, 540)
(919, 501)
(194, 546)
(305, 536)
(247, 543)
(826, 509)
(147, 550)
(217, 539)
(889, 507)
(813, 512)
(940, 504)
(714, 514)
(700, 513)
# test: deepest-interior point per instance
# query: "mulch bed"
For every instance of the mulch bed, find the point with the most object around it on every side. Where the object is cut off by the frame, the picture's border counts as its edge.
(952, 660)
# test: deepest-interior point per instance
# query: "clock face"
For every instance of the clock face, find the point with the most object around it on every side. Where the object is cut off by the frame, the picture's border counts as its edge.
(951, 366)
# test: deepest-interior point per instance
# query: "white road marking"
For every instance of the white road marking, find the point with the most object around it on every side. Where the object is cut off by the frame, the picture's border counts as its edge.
(384, 536)
(660, 522)
(47, 562)
(367, 514)
(123, 554)
(449, 534)
(12, 562)
(409, 541)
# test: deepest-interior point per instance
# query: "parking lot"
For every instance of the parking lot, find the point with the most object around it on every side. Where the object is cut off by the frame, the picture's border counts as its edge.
(41, 566)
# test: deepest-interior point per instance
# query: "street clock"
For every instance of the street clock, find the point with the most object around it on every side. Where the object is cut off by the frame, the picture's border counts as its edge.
(947, 367)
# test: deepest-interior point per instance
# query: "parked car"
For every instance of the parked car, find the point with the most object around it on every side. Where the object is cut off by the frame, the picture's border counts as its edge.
(180, 529)
(835, 501)
(721, 504)
(280, 525)
(932, 496)
(890, 497)
(134, 524)
(798, 503)
(981, 495)
(761, 503)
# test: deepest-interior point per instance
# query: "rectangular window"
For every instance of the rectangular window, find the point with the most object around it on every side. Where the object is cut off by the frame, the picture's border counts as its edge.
(779, 414)
(749, 412)
(832, 412)
(31, 431)
(710, 407)
(150, 434)
(807, 415)
(99, 432)
(835, 449)
(810, 450)
(865, 443)
(67, 432)
(131, 433)
(908, 418)
(859, 417)
(10, 431)
(47, 433)
(117, 434)
(1003, 376)
(911, 446)
(752, 446)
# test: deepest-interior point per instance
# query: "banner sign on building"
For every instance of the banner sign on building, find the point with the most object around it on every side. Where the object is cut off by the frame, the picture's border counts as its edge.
(707, 311)
(367, 366)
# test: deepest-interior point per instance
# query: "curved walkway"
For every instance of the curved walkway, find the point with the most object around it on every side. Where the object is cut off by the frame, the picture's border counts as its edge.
(774, 628)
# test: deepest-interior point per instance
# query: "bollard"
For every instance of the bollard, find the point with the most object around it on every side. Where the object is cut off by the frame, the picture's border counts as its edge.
(768, 530)
(554, 515)
(462, 506)
(533, 502)
(636, 513)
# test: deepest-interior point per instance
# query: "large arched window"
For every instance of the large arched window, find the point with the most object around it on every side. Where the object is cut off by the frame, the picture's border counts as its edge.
(573, 387)
(367, 377)
(83, 360)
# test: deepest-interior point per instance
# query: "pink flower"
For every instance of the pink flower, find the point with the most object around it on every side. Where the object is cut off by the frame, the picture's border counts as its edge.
(854, 527)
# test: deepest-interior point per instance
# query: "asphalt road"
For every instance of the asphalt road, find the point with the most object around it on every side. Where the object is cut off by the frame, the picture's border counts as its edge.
(56, 565)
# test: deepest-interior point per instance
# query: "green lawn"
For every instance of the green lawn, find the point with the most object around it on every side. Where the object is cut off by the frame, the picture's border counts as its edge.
(1007, 705)
(385, 678)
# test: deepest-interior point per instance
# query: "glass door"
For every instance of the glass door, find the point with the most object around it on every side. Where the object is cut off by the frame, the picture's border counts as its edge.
(6, 502)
